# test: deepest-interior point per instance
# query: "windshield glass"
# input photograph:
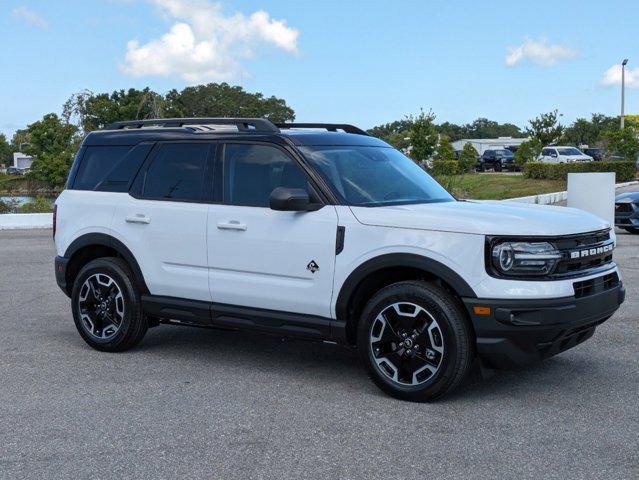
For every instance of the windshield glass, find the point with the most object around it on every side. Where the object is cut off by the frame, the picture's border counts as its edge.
(569, 151)
(375, 176)
(505, 153)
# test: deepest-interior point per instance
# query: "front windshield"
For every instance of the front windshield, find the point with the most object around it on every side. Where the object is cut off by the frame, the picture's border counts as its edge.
(375, 176)
(569, 151)
(506, 153)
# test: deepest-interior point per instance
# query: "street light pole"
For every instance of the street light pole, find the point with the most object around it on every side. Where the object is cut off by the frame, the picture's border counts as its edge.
(623, 88)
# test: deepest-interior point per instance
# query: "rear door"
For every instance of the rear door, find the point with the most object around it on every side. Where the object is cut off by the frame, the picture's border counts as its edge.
(164, 221)
(263, 258)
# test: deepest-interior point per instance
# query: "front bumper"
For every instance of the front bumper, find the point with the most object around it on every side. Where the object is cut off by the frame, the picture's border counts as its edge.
(518, 332)
(627, 215)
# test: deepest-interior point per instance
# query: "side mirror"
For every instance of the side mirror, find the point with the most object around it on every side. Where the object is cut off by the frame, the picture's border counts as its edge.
(287, 199)
(553, 155)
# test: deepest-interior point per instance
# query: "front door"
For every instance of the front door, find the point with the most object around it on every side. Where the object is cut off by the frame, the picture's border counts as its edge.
(262, 258)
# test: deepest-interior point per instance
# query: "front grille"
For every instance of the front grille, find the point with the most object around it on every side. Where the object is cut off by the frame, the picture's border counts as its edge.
(583, 252)
(592, 286)
(623, 207)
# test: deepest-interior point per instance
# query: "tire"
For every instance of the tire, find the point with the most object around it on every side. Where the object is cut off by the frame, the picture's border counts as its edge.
(106, 306)
(498, 168)
(631, 229)
(446, 337)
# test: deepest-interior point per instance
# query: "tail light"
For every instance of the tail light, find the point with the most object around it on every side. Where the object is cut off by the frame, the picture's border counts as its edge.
(55, 218)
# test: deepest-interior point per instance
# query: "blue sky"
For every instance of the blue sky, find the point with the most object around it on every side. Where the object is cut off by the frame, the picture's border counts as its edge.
(335, 61)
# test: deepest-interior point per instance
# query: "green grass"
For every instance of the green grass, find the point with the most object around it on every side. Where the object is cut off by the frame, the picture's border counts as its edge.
(498, 186)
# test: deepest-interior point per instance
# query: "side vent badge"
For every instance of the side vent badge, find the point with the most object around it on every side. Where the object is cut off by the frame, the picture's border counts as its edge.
(312, 266)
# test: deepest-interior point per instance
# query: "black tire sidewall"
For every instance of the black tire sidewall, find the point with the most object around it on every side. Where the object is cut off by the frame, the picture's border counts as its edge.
(120, 274)
(448, 319)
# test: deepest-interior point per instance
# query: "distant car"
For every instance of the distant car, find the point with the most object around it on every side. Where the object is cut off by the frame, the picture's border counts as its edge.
(597, 154)
(617, 156)
(496, 160)
(627, 211)
(13, 171)
(563, 155)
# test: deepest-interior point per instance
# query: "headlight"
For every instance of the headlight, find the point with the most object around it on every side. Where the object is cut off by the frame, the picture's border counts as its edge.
(517, 259)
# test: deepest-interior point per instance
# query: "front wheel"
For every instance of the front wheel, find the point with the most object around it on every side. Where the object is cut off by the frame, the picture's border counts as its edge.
(106, 306)
(415, 341)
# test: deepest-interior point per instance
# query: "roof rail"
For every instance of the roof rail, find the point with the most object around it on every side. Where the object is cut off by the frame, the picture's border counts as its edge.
(331, 127)
(242, 124)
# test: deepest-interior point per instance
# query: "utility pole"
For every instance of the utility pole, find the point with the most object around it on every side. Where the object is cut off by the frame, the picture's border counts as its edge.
(623, 88)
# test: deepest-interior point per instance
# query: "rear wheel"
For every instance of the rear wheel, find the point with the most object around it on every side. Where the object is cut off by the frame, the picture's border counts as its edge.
(106, 306)
(415, 341)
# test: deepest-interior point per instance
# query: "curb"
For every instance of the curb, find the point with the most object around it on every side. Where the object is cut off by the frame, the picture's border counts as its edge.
(12, 221)
(555, 197)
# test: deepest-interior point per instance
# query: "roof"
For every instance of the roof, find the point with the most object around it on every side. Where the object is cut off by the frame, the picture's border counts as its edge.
(493, 141)
(305, 134)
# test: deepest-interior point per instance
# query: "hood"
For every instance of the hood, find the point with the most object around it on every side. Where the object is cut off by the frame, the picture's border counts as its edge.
(483, 218)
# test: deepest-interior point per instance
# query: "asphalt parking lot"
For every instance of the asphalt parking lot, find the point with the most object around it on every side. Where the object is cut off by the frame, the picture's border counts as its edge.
(195, 403)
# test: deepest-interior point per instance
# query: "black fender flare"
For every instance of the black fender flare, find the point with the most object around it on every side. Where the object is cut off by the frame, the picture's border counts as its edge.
(433, 267)
(106, 240)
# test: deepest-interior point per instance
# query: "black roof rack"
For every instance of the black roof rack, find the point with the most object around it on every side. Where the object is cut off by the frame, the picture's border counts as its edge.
(242, 124)
(331, 127)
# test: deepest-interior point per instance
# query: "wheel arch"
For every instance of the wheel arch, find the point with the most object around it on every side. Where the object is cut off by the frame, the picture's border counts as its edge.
(91, 246)
(381, 271)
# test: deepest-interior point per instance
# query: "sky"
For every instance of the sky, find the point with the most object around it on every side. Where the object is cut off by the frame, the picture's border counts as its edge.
(356, 62)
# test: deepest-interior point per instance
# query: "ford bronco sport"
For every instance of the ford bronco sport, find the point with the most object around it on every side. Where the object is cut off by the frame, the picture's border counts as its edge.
(322, 232)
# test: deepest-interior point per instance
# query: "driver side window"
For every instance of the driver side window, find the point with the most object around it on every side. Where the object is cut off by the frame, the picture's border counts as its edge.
(253, 171)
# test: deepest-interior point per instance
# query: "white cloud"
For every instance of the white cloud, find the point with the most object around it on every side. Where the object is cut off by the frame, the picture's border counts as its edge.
(612, 76)
(204, 43)
(29, 16)
(539, 53)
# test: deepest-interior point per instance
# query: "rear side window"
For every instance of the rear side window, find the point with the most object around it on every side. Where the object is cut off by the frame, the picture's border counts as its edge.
(177, 172)
(95, 164)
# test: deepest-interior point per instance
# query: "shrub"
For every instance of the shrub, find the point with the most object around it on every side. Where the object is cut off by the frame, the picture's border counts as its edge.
(4, 207)
(39, 205)
(527, 152)
(9, 206)
(468, 158)
(625, 171)
(445, 167)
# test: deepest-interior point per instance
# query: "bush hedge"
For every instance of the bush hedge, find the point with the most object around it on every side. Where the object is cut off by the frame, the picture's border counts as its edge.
(446, 167)
(625, 171)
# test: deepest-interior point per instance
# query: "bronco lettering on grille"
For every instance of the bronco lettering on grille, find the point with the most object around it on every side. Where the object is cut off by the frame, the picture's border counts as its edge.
(589, 252)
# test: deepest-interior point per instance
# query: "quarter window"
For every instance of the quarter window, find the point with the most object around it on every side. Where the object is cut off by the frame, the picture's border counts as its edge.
(96, 163)
(177, 172)
(252, 172)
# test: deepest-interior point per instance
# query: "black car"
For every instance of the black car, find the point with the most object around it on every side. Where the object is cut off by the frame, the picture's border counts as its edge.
(597, 154)
(496, 160)
(627, 211)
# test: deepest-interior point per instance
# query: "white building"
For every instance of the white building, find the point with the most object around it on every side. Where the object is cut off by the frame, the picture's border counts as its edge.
(20, 160)
(483, 144)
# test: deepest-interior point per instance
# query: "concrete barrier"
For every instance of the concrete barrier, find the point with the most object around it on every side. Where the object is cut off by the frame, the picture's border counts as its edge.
(555, 197)
(10, 221)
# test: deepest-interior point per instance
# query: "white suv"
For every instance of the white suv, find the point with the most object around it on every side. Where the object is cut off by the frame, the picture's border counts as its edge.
(563, 155)
(322, 232)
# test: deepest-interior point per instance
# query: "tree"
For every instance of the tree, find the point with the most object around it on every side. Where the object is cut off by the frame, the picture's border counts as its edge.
(423, 136)
(484, 128)
(6, 151)
(623, 140)
(527, 152)
(53, 143)
(546, 128)
(396, 133)
(468, 158)
(90, 111)
(445, 151)
(589, 132)
(224, 100)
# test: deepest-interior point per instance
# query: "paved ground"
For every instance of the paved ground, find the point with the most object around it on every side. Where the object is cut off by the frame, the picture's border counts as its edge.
(195, 403)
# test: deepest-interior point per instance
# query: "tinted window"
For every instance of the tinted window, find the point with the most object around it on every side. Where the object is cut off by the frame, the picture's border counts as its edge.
(96, 162)
(177, 172)
(569, 151)
(546, 152)
(375, 176)
(252, 172)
